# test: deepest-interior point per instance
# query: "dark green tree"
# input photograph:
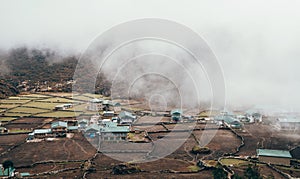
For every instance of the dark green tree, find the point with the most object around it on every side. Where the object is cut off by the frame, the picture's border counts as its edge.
(7, 164)
(219, 173)
(236, 176)
(252, 172)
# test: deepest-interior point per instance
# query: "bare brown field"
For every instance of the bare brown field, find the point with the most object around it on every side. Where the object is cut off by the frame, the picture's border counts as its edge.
(76, 148)
(7, 141)
(264, 136)
(223, 142)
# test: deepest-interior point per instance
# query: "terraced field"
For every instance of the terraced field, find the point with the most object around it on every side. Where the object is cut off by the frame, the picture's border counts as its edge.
(57, 114)
(42, 105)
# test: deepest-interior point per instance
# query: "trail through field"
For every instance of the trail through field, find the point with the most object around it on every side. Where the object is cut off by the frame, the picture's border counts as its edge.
(81, 148)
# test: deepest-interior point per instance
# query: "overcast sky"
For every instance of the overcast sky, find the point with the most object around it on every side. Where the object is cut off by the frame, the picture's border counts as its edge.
(257, 42)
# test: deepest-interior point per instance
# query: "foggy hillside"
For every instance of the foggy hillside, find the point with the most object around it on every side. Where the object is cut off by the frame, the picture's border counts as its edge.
(35, 67)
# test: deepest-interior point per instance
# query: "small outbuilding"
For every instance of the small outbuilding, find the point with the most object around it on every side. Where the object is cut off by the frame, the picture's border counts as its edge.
(83, 123)
(288, 124)
(126, 117)
(176, 115)
(3, 130)
(92, 131)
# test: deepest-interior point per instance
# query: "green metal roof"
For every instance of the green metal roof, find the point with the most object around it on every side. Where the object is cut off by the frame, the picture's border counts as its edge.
(274, 153)
(289, 120)
(176, 111)
(59, 124)
(5, 172)
(25, 174)
(42, 131)
(92, 127)
(227, 119)
(72, 127)
(83, 121)
(113, 127)
(125, 114)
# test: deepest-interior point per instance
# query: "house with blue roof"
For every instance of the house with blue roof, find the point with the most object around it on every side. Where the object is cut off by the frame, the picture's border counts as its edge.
(83, 123)
(112, 132)
(280, 157)
(229, 121)
(40, 133)
(8, 172)
(126, 117)
(59, 128)
(176, 115)
(115, 106)
(92, 131)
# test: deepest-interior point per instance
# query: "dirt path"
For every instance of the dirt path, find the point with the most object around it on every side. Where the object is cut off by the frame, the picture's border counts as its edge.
(81, 148)
(66, 149)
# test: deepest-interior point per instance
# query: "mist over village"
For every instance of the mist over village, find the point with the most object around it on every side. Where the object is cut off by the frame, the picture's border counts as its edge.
(149, 89)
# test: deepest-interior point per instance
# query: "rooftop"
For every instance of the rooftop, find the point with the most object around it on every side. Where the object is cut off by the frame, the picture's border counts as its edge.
(176, 111)
(126, 114)
(5, 172)
(113, 127)
(83, 121)
(227, 119)
(59, 124)
(92, 127)
(108, 112)
(95, 100)
(274, 153)
(72, 127)
(42, 131)
(289, 120)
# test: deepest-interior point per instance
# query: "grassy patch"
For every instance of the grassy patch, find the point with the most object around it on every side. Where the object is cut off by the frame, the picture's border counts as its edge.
(6, 119)
(17, 114)
(132, 109)
(13, 101)
(211, 163)
(81, 107)
(193, 168)
(56, 100)
(41, 105)
(58, 114)
(28, 110)
(208, 113)
(19, 130)
(82, 98)
(92, 95)
(8, 106)
(34, 96)
(233, 161)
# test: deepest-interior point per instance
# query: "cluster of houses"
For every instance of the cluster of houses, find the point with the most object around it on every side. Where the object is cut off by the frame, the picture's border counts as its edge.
(112, 124)
(104, 105)
(58, 129)
(288, 124)
(229, 119)
(109, 127)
